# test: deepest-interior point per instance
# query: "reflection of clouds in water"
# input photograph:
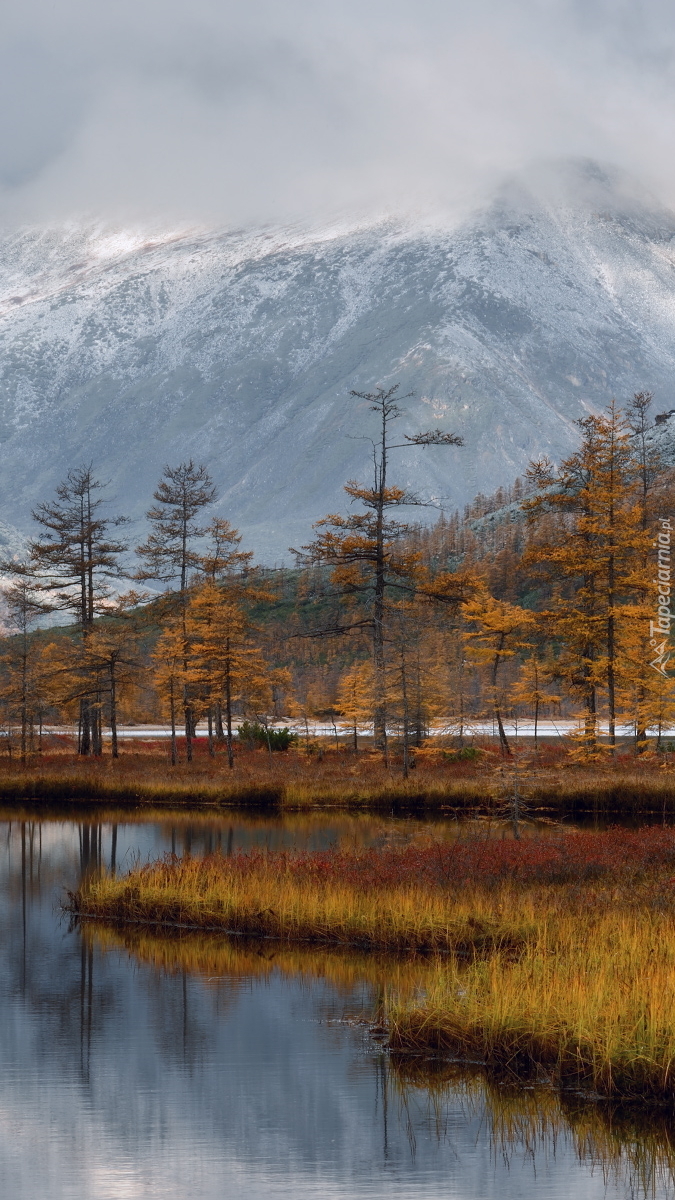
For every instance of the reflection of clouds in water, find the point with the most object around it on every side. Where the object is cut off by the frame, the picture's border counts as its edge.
(261, 1100)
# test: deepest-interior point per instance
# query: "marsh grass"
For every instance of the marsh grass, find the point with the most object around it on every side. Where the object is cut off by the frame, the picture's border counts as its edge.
(559, 952)
(590, 1001)
(295, 780)
(273, 901)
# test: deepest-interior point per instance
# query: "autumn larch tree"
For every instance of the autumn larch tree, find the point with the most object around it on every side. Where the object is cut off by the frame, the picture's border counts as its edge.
(224, 665)
(20, 656)
(169, 553)
(354, 700)
(496, 632)
(111, 655)
(596, 556)
(532, 688)
(103, 670)
(416, 694)
(72, 564)
(365, 549)
(170, 674)
(223, 562)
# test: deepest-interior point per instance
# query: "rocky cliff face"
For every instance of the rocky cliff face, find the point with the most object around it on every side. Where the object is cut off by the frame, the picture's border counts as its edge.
(240, 349)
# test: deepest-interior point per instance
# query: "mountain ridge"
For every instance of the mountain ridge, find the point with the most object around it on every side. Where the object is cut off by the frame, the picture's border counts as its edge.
(240, 349)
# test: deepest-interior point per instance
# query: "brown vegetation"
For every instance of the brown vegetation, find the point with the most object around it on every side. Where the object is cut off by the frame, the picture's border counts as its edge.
(550, 782)
(559, 951)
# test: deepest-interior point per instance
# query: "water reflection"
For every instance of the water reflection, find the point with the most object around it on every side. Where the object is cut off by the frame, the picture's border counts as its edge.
(139, 1066)
(626, 1146)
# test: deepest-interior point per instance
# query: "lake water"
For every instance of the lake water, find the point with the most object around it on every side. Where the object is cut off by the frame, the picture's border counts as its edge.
(132, 1067)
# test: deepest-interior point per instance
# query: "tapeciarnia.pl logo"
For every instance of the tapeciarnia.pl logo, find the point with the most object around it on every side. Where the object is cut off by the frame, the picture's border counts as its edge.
(660, 628)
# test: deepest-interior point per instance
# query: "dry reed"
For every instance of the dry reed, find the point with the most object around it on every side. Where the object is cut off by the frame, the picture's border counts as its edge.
(274, 902)
(296, 781)
(568, 943)
(590, 1001)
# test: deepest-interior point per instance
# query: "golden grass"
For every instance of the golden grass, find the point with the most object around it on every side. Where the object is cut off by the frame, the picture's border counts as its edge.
(590, 999)
(576, 979)
(295, 780)
(273, 902)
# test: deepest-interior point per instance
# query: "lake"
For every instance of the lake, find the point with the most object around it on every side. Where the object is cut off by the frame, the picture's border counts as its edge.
(133, 1066)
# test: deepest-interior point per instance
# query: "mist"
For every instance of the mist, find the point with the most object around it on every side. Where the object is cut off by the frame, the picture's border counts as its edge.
(247, 113)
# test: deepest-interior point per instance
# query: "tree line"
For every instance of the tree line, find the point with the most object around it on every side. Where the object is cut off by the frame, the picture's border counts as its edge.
(533, 602)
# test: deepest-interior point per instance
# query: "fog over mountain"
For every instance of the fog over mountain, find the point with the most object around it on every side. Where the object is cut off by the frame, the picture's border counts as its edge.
(130, 349)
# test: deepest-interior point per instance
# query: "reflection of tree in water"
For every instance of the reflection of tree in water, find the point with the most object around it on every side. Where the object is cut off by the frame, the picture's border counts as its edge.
(55, 977)
(633, 1146)
(181, 986)
(86, 1004)
(90, 847)
(182, 1031)
(61, 977)
(380, 1064)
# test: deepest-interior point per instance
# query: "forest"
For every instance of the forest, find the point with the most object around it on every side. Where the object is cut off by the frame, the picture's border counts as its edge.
(547, 599)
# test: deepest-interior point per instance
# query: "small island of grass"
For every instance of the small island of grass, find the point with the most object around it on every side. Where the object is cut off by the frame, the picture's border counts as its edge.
(547, 957)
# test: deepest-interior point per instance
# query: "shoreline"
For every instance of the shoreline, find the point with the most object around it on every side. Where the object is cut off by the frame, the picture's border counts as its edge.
(299, 782)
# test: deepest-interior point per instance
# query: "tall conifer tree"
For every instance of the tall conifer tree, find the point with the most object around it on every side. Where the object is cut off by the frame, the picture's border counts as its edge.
(169, 553)
(73, 562)
(596, 557)
(225, 665)
(366, 550)
(20, 659)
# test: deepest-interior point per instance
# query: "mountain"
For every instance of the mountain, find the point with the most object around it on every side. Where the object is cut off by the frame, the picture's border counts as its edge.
(239, 349)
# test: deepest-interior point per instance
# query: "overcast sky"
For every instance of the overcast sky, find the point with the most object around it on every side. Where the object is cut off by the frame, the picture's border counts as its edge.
(238, 111)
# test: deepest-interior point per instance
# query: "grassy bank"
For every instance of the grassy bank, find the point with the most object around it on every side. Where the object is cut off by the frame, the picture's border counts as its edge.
(589, 1000)
(296, 780)
(129, 790)
(293, 898)
(564, 947)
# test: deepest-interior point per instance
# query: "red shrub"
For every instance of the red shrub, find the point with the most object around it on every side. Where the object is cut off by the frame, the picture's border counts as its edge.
(555, 858)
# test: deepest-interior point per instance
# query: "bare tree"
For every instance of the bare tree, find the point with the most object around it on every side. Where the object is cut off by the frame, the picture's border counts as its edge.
(169, 552)
(23, 607)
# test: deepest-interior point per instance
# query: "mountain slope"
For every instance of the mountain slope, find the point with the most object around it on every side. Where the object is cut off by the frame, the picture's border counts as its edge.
(240, 349)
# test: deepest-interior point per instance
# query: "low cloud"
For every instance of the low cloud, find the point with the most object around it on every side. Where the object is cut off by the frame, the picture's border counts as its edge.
(209, 111)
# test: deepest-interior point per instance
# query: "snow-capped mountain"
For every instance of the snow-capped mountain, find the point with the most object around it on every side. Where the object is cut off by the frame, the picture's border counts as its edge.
(240, 349)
